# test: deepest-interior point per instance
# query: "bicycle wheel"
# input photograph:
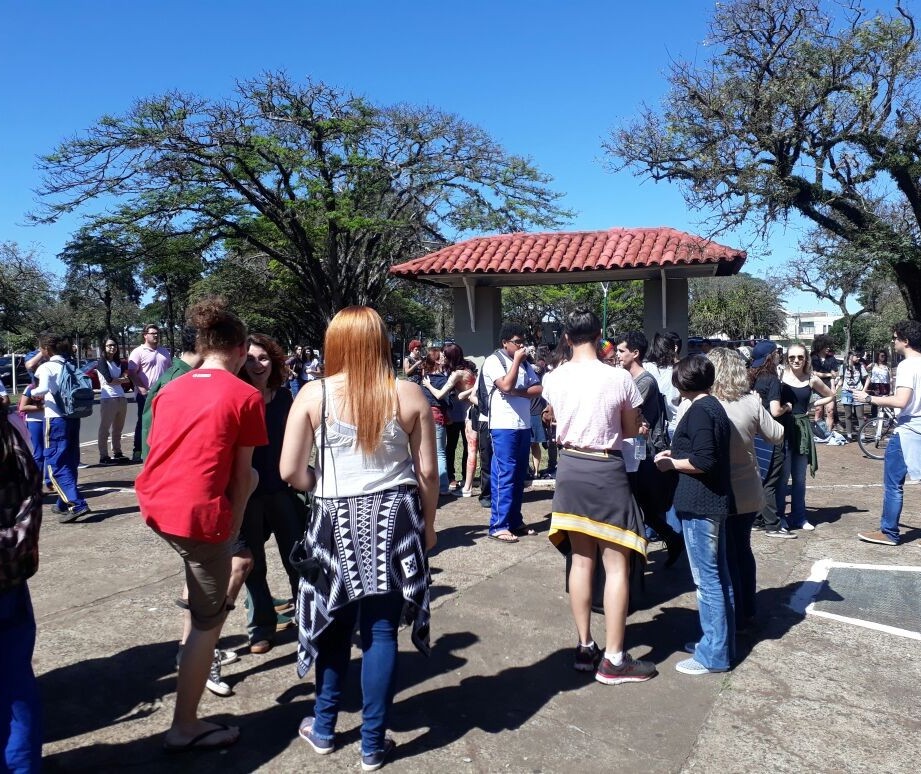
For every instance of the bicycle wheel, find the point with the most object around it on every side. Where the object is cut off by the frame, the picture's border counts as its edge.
(874, 436)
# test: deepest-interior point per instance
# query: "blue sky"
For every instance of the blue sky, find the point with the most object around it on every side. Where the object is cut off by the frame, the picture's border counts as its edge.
(546, 79)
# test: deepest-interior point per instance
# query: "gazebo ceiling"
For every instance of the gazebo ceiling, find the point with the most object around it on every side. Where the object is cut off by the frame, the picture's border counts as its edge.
(573, 257)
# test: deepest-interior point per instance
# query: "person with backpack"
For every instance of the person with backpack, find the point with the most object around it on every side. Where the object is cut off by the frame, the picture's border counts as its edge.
(509, 383)
(649, 485)
(20, 522)
(64, 390)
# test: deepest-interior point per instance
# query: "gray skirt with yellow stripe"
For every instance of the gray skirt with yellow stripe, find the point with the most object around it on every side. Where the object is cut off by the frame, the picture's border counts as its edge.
(593, 497)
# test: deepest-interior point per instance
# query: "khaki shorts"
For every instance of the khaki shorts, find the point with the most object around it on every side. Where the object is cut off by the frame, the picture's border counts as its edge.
(207, 573)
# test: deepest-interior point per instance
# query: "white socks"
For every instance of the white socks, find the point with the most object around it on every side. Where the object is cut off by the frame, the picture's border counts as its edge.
(615, 658)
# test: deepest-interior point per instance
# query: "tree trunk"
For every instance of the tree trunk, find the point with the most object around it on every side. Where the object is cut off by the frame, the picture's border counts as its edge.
(107, 301)
(169, 316)
(908, 276)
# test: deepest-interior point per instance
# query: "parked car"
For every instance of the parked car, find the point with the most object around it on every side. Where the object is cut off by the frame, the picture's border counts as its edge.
(6, 373)
(89, 368)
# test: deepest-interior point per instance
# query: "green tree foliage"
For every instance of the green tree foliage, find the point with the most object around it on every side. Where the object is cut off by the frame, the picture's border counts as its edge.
(25, 290)
(258, 289)
(804, 107)
(532, 305)
(739, 307)
(873, 330)
(326, 184)
(99, 272)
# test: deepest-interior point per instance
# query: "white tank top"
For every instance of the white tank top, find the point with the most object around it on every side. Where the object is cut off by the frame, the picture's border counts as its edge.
(344, 470)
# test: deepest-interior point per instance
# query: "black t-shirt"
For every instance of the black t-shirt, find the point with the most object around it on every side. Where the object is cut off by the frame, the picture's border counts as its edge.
(768, 387)
(266, 458)
(827, 365)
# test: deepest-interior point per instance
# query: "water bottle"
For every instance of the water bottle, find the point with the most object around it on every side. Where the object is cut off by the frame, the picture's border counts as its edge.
(639, 449)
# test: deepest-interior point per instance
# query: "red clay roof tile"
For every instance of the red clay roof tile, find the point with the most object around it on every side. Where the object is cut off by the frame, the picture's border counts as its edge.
(573, 251)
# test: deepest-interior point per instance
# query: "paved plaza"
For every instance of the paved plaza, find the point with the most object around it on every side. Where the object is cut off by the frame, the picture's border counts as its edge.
(498, 694)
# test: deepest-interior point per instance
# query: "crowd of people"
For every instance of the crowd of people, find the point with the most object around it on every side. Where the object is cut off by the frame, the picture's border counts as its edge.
(344, 464)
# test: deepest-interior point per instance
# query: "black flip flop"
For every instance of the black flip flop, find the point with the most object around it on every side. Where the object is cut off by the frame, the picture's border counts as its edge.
(195, 742)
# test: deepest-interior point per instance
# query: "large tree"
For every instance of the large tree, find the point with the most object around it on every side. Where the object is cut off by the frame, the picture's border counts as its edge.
(99, 271)
(26, 291)
(805, 107)
(739, 307)
(329, 185)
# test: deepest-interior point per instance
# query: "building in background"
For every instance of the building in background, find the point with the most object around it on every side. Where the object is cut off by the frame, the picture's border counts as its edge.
(803, 327)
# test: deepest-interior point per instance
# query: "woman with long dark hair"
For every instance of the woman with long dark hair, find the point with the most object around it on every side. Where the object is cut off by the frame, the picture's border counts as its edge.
(375, 490)
(763, 379)
(455, 370)
(20, 521)
(273, 508)
(113, 405)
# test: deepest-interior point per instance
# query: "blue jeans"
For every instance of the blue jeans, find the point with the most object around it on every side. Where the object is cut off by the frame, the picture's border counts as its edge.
(894, 472)
(441, 440)
(62, 455)
(141, 400)
(510, 451)
(705, 539)
(20, 704)
(794, 466)
(742, 566)
(378, 617)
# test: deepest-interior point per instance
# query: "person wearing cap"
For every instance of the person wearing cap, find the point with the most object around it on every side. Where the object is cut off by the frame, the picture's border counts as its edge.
(412, 365)
(762, 374)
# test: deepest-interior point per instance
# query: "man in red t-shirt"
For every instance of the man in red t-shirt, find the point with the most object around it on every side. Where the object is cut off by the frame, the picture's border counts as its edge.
(193, 491)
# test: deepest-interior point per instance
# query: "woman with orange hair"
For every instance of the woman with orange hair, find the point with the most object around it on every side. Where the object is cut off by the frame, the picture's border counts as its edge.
(375, 486)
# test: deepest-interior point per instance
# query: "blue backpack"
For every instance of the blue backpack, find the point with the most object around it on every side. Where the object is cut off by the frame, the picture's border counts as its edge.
(74, 396)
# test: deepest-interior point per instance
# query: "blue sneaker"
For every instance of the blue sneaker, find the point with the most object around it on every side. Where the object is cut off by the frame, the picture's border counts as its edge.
(320, 746)
(373, 761)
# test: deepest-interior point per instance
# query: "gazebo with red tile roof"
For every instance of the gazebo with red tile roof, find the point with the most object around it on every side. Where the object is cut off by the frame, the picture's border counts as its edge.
(663, 257)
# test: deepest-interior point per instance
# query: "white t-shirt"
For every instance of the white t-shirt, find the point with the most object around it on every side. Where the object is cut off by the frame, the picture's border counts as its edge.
(47, 376)
(587, 399)
(110, 389)
(34, 416)
(908, 374)
(508, 412)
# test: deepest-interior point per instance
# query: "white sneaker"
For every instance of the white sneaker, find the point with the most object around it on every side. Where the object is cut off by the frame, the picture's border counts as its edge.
(214, 683)
(227, 656)
(807, 526)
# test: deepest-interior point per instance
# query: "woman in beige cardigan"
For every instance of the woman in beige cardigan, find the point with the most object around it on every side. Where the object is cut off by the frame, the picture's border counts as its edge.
(748, 417)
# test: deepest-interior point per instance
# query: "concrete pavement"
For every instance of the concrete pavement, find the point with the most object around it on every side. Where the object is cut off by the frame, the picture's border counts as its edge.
(498, 693)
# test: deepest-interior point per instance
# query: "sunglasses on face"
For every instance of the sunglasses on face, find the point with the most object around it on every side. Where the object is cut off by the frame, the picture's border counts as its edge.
(791, 358)
(517, 342)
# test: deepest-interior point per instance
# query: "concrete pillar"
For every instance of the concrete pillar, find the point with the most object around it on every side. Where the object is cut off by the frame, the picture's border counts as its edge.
(676, 308)
(487, 311)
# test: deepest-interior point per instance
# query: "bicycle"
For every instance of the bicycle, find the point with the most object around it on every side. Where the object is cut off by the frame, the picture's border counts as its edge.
(875, 432)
